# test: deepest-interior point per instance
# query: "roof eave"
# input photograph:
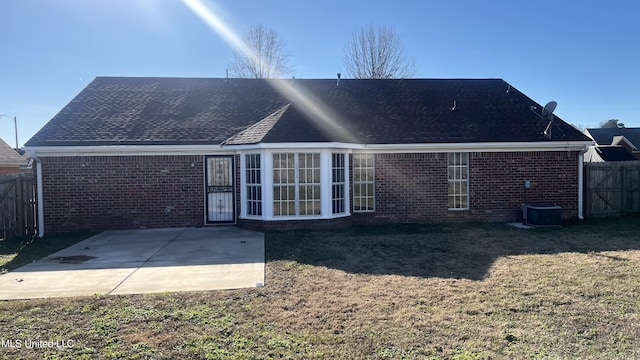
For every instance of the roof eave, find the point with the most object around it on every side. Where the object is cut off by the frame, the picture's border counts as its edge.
(487, 146)
(207, 149)
(115, 150)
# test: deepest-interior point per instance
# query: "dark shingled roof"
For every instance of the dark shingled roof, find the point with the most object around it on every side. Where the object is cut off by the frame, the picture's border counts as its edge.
(146, 111)
(604, 136)
(614, 153)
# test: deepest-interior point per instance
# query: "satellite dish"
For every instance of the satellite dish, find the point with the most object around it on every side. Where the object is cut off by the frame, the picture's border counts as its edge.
(548, 109)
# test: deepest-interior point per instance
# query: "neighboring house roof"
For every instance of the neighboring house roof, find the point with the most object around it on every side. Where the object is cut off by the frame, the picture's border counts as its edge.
(611, 136)
(163, 111)
(608, 153)
(9, 156)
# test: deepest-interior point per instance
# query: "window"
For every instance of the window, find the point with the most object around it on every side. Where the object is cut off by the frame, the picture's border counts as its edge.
(254, 189)
(337, 183)
(309, 184)
(296, 184)
(458, 170)
(363, 182)
(284, 184)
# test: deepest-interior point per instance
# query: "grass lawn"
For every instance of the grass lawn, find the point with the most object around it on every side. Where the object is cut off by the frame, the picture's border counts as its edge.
(447, 291)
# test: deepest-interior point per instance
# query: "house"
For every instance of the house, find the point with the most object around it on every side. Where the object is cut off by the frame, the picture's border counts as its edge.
(614, 144)
(11, 162)
(155, 152)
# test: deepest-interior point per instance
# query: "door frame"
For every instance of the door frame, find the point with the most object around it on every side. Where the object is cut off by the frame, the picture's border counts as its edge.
(234, 216)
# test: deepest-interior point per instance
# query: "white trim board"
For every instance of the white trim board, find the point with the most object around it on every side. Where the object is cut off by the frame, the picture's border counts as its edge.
(141, 150)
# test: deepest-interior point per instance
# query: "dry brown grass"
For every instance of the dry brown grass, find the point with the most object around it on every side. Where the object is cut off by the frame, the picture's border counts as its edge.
(472, 291)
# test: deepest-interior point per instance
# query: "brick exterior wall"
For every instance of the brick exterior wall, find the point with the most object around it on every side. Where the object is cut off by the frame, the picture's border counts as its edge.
(130, 192)
(10, 170)
(122, 192)
(413, 187)
(497, 183)
(410, 188)
(316, 224)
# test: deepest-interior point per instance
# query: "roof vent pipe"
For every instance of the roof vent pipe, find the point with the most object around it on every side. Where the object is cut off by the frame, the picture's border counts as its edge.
(454, 106)
(338, 83)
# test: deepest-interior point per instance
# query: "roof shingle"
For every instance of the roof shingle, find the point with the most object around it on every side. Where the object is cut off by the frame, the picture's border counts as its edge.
(9, 156)
(605, 136)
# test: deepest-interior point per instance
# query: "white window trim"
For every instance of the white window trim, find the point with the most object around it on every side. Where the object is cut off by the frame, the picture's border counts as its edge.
(266, 178)
(344, 183)
(243, 184)
(366, 182)
(459, 180)
(245, 205)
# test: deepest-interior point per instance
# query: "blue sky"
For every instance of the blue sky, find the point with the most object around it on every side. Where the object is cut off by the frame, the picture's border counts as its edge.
(583, 54)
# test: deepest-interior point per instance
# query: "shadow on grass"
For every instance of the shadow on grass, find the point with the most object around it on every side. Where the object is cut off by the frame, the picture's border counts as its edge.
(444, 250)
(15, 253)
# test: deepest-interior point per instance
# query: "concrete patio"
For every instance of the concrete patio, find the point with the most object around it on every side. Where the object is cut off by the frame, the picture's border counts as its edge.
(144, 261)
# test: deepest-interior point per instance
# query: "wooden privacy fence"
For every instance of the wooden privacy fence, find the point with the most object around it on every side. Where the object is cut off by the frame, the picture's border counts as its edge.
(612, 188)
(17, 206)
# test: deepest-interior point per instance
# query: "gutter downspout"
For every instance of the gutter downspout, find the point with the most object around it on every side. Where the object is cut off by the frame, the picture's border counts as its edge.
(39, 193)
(581, 182)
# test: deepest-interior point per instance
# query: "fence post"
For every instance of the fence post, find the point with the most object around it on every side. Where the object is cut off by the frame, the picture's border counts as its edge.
(623, 190)
(19, 206)
(587, 189)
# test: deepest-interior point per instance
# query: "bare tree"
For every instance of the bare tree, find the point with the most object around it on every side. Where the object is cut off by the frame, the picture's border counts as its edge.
(612, 123)
(264, 55)
(377, 53)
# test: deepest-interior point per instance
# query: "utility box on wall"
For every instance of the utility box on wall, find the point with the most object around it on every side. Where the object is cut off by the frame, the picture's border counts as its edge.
(542, 215)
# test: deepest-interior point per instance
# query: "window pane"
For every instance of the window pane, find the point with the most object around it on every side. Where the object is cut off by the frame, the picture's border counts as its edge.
(369, 204)
(464, 159)
(357, 175)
